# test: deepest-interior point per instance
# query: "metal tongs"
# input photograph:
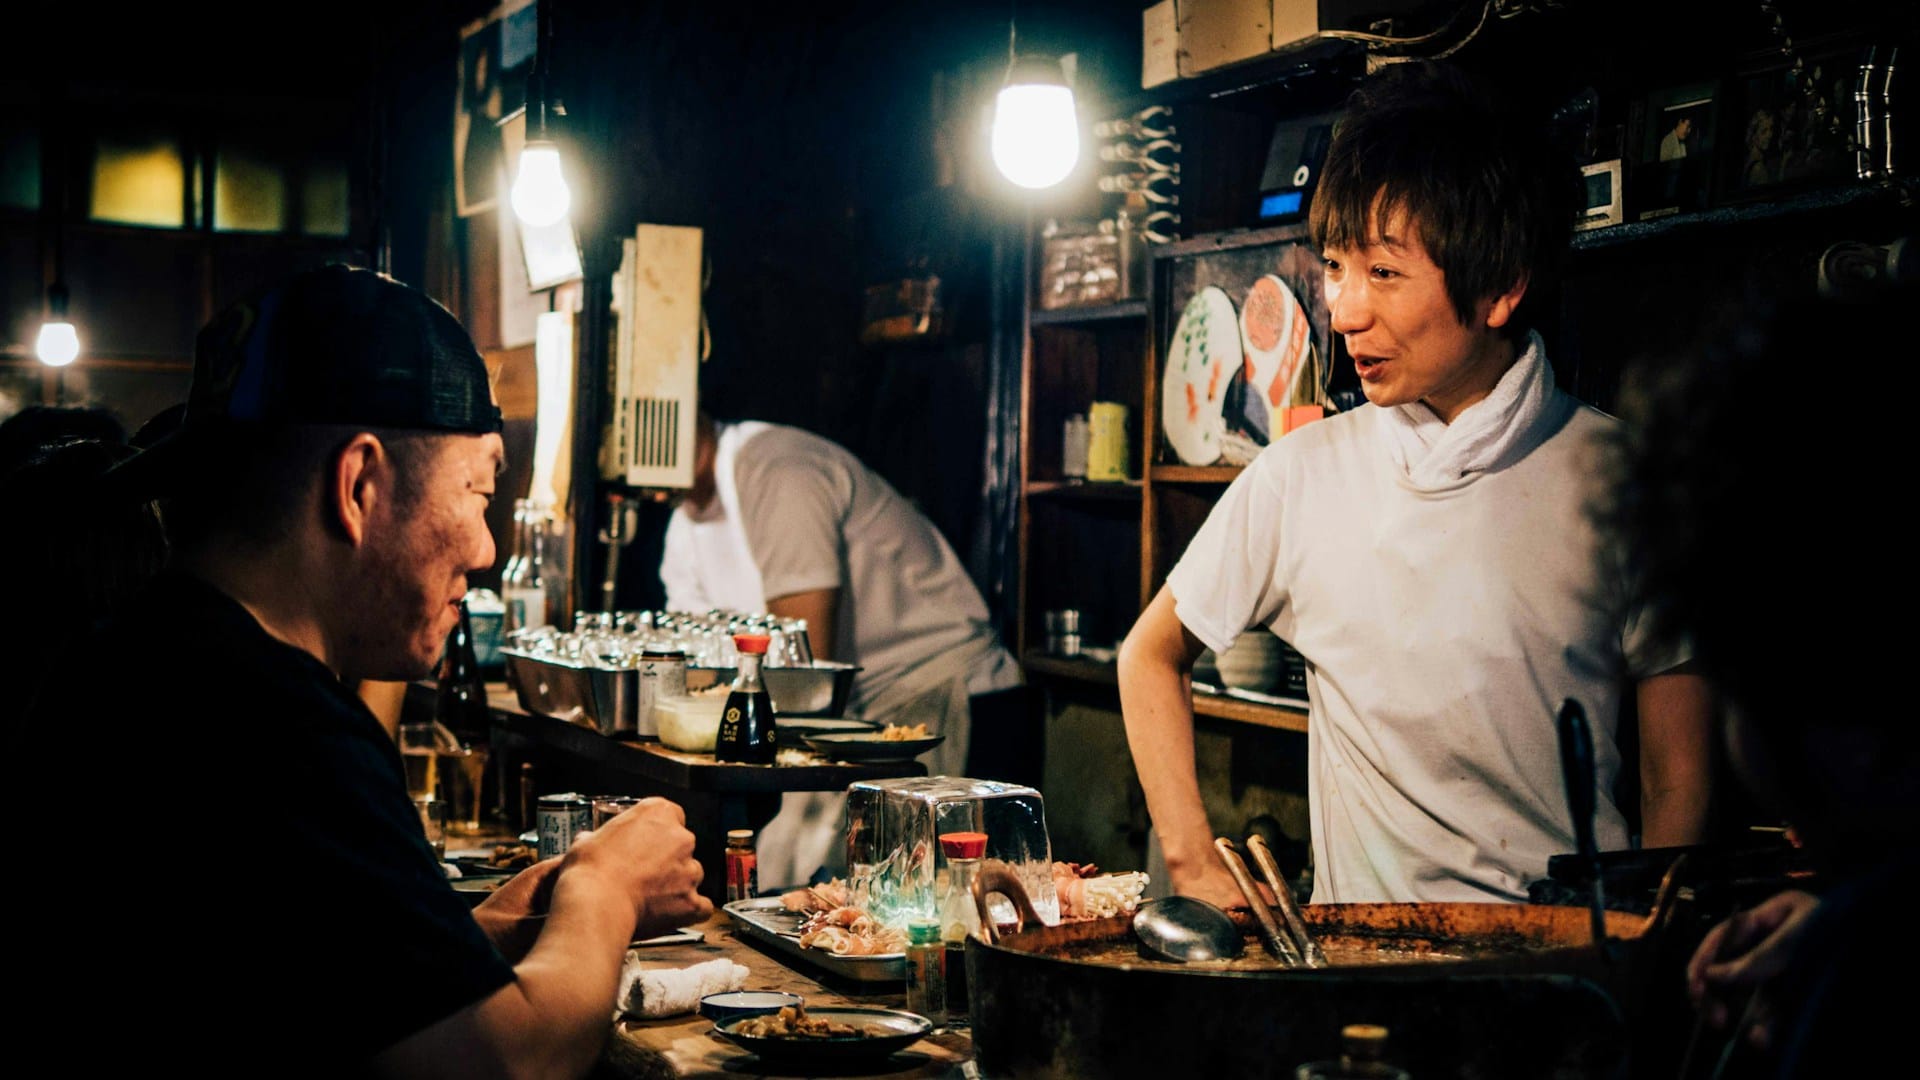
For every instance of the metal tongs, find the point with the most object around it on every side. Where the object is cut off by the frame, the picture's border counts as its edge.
(1293, 944)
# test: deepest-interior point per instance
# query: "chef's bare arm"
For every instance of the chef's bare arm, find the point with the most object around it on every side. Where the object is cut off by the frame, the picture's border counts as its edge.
(1676, 757)
(817, 607)
(1156, 660)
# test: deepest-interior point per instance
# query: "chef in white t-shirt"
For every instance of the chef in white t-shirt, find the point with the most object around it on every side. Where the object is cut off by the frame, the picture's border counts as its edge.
(784, 521)
(1429, 553)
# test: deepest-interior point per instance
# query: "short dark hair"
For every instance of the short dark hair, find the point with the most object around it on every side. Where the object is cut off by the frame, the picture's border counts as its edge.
(1491, 196)
(254, 495)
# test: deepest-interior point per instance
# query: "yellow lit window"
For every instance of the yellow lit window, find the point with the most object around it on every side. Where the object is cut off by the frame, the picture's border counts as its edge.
(139, 180)
(324, 209)
(249, 192)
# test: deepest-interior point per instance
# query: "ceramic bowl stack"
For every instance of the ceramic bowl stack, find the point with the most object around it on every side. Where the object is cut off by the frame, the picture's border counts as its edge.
(1252, 663)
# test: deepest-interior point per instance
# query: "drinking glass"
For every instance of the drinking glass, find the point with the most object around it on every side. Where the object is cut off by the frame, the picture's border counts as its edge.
(420, 753)
(462, 780)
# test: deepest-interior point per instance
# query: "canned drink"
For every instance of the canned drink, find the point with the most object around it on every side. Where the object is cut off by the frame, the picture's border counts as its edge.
(562, 818)
(662, 674)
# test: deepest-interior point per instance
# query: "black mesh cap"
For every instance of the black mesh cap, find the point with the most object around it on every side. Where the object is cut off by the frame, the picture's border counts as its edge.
(337, 345)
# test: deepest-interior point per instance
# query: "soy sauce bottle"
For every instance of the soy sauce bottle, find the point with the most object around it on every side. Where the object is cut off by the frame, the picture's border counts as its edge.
(746, 725)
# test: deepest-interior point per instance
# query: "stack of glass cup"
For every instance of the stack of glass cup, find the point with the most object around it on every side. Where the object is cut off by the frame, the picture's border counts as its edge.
(616, 639)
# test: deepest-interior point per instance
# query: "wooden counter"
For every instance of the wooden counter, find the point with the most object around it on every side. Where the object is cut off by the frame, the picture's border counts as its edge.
(717, 796)
(688, 1046)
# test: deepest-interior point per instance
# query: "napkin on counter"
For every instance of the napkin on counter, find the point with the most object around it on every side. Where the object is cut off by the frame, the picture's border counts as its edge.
(651, 992)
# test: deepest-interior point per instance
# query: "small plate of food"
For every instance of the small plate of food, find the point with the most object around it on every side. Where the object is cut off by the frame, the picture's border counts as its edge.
(797, 1035)
(891, 743)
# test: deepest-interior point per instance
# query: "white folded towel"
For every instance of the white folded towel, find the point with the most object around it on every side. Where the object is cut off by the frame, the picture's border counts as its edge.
(1493, 432)
(650, 993)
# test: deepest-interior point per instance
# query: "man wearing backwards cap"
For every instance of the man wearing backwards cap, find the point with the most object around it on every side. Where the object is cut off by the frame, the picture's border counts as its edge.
(326, 498)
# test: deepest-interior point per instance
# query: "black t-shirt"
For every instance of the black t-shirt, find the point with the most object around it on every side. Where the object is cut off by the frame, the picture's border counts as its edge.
(239, 878)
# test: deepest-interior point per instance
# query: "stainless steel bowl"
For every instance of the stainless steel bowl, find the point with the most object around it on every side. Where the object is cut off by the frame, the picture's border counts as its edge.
(608, 700)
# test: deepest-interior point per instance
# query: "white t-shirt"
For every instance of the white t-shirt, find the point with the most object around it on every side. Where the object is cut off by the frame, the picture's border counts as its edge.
(815, 517)
(1442, 630)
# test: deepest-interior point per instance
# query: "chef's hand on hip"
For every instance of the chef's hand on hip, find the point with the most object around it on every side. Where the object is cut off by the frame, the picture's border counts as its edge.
(1742, 954)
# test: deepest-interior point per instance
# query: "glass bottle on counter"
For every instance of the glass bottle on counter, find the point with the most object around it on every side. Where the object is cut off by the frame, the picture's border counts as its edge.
(926, 971)
(746, 724)
(743, 873)
(959, 915)
(1362, 1058)
(462, 709)
(523, 584)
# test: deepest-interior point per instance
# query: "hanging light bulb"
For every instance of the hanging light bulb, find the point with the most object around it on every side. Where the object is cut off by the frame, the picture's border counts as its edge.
(540, 193)
(59, 343)
(1036, 134)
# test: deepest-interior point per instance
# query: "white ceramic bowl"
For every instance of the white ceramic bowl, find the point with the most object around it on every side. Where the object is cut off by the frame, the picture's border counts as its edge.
(690, 723)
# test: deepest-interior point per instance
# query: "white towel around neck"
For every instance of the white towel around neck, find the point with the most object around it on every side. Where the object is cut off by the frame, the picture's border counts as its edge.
(1494, 430)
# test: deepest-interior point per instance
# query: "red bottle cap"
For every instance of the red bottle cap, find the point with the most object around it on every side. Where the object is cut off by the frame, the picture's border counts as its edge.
(963, 845)
(751, 643)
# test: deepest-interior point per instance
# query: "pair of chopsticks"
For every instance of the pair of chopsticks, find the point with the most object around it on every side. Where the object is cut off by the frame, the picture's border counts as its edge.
(1292, 945)
(1734, 1037)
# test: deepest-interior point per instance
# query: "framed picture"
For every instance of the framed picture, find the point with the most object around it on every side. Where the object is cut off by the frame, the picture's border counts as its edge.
(1603, 203)
(496, 56)
(1789, 131)
(1674, 136)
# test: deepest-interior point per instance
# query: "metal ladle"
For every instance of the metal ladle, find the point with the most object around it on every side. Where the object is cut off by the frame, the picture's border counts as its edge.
(1183, 929)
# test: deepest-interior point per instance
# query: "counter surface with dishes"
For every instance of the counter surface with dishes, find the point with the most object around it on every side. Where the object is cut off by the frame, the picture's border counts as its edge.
(689, 1046)
(717, 796)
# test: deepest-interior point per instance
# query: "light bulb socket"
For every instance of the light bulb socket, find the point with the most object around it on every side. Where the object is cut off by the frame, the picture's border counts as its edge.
(57, 302)
(1035, 70)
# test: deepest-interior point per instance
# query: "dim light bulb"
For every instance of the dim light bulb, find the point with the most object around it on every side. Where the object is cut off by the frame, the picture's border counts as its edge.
(1036, 134)
(540, 193)
(59, 343)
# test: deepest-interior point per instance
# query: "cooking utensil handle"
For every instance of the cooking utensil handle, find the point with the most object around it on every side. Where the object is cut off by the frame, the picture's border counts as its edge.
(995, 876)
(1576, 763)
(1277, 940)
(1296, 921)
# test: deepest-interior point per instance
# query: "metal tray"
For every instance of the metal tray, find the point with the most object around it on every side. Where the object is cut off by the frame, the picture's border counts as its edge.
(766, 920)
(608, 701)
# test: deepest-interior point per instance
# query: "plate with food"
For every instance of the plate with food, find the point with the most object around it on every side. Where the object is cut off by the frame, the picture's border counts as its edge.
(1278, 342)
(891, 743)
(822, 725)
(797, 1035)
(1202, 360)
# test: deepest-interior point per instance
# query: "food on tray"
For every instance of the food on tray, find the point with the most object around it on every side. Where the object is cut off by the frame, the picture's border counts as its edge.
(850, 931)
(513, 856)
(792, 1022)
(1085, 893)
(896, 733)
(825, 897)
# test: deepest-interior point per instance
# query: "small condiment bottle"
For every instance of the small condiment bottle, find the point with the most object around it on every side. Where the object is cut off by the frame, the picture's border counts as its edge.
(743, 866)
(746, 724)
(1364, 1048)
(926, 971)
(959, 915)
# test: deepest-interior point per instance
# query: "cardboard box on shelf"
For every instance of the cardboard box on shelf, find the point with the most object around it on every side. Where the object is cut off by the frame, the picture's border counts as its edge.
(1209, 34)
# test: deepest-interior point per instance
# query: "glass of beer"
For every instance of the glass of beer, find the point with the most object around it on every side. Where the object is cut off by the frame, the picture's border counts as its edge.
(420, 753)
(462, 781)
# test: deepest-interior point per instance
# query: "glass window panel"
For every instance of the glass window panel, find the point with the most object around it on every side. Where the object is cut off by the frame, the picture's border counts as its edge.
(249, 191)
(139, 179)
(19, 166)
(324, 203)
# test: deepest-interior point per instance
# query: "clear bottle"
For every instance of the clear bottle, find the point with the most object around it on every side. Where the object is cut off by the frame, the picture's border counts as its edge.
(523, 585)
(743, 866)
(746, 724)
(1362, 1058)
(926, 971)
(959, 915)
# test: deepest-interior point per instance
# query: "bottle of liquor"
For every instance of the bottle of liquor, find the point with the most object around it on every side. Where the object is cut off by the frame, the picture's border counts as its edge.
(523, 585)
(746, 724)
(462, 710)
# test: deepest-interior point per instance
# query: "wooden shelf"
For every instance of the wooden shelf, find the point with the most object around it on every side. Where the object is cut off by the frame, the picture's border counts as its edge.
(1249, 712)
(1125, 309)
(1067, 667)
(1830, 198)
(1081, 489)
(1196, 474)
